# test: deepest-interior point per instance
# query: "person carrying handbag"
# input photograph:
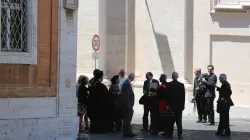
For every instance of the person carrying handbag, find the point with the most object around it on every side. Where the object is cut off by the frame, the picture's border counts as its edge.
(223, 106)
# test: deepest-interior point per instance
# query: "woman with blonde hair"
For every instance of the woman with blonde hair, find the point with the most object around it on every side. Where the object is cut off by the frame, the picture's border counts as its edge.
(83, 93)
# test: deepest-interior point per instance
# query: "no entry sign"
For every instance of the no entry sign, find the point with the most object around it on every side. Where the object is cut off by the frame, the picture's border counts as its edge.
(96, 42)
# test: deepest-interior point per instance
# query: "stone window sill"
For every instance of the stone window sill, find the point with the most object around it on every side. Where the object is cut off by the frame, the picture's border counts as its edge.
(241, 7)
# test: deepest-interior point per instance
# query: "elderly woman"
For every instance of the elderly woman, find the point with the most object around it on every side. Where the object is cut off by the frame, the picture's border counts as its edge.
(223, 106)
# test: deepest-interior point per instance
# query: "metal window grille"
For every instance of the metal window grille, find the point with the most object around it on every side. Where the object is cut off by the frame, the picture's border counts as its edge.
(13, 25)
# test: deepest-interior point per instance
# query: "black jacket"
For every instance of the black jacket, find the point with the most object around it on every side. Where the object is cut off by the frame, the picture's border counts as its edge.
(176, 95)
(83, 94)
(225, 92)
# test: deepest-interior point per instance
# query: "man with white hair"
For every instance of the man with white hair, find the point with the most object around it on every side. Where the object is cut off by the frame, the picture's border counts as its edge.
(223, 106)
(176, 102)
(198, 96)
(122, 77)
(127, 99)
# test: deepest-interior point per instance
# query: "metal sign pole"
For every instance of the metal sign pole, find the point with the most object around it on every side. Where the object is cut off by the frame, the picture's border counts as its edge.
(95, 62)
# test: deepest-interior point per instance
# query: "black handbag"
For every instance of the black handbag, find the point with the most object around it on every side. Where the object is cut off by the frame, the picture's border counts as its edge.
(166, 120)
(142, 99)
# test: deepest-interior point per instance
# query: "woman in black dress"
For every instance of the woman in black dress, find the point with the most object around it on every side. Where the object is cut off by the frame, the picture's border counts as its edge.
(114, 91)
(98, 105)
(82, 103)
(223, 106)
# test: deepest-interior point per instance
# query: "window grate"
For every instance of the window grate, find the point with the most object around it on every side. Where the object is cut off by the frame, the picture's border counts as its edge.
(14, 26)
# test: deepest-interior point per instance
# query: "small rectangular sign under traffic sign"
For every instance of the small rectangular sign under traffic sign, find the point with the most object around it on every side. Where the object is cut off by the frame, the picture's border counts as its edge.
(94, 55)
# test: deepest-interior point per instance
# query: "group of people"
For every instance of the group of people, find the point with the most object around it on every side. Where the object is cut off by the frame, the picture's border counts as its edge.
(165, 101)
(204, 96)
(111, 109)
(107, 109)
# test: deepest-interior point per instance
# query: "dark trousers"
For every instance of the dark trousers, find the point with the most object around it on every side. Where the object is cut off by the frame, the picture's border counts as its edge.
(210, 109)
(150, 106)
(200, 103)
(117, 124)
(178, 121)
(117, 119)
(224, 121)
(127, 118)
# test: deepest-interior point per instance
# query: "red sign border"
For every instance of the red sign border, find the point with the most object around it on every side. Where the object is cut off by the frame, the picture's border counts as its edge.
(98, 43)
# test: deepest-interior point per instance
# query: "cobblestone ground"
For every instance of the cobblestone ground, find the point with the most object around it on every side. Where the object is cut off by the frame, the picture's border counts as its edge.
(192, 131)
(240, 125)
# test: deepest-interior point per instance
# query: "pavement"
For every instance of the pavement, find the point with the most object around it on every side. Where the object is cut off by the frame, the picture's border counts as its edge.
(239, 120)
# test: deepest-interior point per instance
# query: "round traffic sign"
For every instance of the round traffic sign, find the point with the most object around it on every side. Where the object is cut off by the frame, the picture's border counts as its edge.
(96, 42)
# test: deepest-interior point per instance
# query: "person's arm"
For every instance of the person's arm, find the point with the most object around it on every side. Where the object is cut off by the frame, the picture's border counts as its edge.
(125, 95)
(184, 96)
(194, 89)
(211, 81)
(228, 90)
(145, 91)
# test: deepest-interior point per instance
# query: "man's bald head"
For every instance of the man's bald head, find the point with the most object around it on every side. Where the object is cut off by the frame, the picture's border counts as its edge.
(175, 75)
(122, 73)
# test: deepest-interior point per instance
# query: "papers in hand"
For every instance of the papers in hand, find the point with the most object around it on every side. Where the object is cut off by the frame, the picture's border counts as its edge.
(153, 86)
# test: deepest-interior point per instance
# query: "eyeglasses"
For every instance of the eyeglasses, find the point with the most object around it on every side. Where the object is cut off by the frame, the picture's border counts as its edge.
(209, 69)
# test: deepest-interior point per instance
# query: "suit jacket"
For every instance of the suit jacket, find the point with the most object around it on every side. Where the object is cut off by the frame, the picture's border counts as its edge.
(127, 97)
(176, 95)
(146, 86)
(196, 84)
(211, 83)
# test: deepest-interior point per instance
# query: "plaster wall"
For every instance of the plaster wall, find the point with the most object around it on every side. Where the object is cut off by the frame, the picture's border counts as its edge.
(223, 39)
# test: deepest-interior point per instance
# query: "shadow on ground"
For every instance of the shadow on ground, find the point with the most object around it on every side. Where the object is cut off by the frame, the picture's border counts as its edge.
(187, 135)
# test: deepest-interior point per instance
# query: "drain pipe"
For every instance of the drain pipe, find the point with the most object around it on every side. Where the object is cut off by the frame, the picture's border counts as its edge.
(58, 58)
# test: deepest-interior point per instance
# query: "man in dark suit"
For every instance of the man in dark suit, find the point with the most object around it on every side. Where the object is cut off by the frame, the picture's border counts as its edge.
(150, 105)
(199, 97)
(176, 102)
(210, 82)
(127, 99)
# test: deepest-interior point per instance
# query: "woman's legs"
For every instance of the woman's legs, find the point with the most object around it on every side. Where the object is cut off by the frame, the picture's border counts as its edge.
(86, 121)
(80, 122)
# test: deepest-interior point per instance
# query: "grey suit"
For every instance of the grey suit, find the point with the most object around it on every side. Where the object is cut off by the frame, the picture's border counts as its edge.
(127, 103)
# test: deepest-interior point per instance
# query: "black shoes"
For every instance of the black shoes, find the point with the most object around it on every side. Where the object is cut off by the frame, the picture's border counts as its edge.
(179, 137)
(144, 130)
(221, 134)
(204, 121)
(198, 121)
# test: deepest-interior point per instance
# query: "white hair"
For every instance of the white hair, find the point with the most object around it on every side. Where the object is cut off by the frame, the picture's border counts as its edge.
(122, 70)
(223, 76)
(131, 75)
(198, 70)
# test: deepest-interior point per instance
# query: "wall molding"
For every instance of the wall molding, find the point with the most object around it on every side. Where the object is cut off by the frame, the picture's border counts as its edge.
(241, 6)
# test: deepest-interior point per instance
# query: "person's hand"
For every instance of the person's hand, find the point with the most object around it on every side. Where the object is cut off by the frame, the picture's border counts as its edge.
(197, 88)
(203, 79)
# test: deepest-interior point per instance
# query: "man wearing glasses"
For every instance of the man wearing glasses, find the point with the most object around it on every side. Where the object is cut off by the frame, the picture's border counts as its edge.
(210, 81)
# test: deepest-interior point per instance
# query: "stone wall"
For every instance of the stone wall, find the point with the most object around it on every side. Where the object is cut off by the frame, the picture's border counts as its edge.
(49, 118)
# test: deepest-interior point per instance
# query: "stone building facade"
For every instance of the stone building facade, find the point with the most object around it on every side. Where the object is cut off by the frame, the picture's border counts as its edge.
(38, 70)
(167, 36)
